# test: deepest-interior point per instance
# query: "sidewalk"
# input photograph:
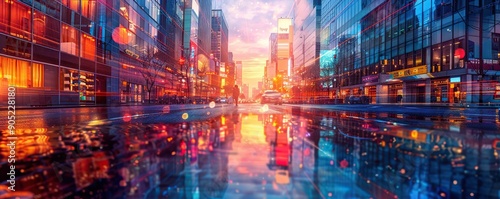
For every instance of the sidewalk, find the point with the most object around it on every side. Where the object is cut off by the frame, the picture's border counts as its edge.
(474, 105)
(457, 105)
(175, 106)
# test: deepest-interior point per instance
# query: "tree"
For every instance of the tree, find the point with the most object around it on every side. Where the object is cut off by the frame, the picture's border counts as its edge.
(151, 67)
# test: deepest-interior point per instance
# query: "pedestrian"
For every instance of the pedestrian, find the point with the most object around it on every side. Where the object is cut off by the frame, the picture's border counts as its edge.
(236, 94)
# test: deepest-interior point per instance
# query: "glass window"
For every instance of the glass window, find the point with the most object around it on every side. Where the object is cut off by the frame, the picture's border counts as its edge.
(72, 4)
(4, 16)
(70, 17)
(37, 72)
(15, 47)
(69, 80)
(88, 9)
(46, 30)
(87, 86)
(21, 73)
(436, 58)
(447, 56)
(459, 30)
(19, 24)
(446, 33)
(88, 47)
(436, 37)
(418, 58)
(50, 77)
(69, 40)
(49, 7)
(46, 55)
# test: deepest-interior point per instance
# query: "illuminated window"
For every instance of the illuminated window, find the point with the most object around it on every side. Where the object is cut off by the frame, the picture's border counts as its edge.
(88, 8)
(46, 30)
(37, 75)
(21, 73)
(69, 40)
(88, 47)
(72, 4)
(4, 16)
(15, 17)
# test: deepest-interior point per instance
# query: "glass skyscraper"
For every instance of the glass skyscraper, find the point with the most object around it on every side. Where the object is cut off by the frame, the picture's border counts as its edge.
(88, 51)
(413, 51)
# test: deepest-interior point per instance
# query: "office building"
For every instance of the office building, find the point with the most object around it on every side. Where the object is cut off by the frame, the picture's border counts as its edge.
(413, 51)
(89, 52)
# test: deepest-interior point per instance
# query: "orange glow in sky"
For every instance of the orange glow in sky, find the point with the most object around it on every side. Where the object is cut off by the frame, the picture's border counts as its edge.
(250, 24)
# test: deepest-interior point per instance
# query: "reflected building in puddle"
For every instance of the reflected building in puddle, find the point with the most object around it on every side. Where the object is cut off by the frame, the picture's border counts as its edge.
(388, 159)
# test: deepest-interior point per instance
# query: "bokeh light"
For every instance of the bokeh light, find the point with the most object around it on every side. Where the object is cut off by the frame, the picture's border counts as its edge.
(121, 35)
(127, 117)
(211, 104)
(185, 116)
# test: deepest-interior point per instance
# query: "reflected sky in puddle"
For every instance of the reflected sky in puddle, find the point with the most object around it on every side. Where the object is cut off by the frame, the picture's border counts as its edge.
(299, 155)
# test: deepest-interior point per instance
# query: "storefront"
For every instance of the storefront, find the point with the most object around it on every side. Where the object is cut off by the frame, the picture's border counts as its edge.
(131, 92)
(448, 90)
(82, 83)
(415, 92)
(395, 93)
(370, 88)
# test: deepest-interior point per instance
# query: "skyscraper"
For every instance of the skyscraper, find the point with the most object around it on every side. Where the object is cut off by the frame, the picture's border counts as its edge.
(306, 45)
(220, 42)
(284, 48)
(196, 48)
(415, 51)
(88, 52)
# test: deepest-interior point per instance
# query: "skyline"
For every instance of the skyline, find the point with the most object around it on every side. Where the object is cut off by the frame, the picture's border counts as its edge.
(249, 30)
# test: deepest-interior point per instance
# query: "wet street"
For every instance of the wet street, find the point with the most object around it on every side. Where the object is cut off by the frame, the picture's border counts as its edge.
(254, 151)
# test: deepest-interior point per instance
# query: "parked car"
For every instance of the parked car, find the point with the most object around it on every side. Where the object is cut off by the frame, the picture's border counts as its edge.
(271, 96)
(353, 99)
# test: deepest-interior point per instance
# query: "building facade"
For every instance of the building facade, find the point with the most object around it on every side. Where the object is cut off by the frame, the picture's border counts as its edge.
(88, 52)
(284, 47)
(413, 51)
(220, 42)
(306, 45)
(196, 46)
(204, 87)
(270, 68)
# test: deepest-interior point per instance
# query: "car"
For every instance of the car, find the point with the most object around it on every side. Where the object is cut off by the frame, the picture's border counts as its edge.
(221, 100)
(271, 96)
(357, 100)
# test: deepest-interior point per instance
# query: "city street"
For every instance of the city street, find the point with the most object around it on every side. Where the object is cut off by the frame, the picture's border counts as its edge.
(138, 99)
(262, 151)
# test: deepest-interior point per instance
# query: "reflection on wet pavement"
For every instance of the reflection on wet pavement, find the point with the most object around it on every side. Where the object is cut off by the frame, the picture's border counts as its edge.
(302, 154)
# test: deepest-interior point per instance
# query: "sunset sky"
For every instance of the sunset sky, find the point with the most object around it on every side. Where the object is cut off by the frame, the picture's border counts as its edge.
(250, 23)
